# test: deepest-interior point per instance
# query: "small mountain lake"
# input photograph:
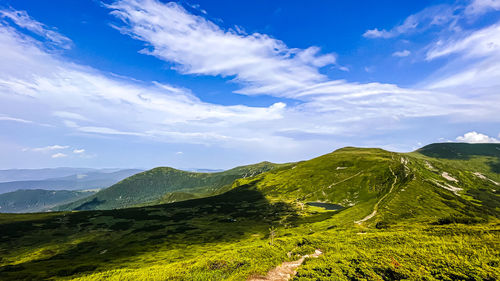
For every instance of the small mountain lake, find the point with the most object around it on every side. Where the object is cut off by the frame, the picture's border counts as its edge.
(326, 206)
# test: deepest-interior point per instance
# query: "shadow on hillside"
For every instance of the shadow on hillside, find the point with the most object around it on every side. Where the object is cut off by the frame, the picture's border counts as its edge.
(118, 235)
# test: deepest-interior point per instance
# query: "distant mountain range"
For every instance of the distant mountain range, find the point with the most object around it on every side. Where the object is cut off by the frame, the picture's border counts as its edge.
(69, 178)
(42, 174)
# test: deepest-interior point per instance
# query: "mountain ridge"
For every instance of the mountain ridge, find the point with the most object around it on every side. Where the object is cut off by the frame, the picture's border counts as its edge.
(400, 216)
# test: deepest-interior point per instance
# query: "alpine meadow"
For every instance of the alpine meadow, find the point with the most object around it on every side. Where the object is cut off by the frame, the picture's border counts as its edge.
(249, 140)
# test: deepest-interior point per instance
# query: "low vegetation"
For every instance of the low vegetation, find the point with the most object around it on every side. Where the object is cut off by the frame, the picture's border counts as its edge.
(165, 185)
(421, 230)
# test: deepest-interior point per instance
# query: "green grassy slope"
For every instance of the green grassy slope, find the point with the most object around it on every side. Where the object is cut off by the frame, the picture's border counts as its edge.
(38, 200)
(164, 185)
(423, 228)
(405, 186)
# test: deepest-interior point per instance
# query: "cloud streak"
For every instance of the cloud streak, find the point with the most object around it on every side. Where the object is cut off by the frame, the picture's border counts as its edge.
(416, 23)
(82, 101)
(194, 45)
(23, 20)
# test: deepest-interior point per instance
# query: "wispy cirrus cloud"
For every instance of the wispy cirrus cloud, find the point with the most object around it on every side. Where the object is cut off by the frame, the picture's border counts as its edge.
(263, 65)
(23, 20)
(98, 101)
(59, 155)
(79, 151)
(403, 53)
(196, 45)
(47, 148)
(473, 63)
(13, 119)
(81, 100)
(479, 7)
(419, 22)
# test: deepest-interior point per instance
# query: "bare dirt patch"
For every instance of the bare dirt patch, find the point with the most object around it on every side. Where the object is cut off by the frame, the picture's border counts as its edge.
(483, 177)
(286, 270)
(451, 188)
(448, 177)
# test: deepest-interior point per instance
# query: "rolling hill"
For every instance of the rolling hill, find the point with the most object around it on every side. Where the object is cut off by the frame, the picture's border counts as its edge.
(399, 185)
(85, 179)
(40, 174)
(374, 214)
(164, 185)
(38, 200)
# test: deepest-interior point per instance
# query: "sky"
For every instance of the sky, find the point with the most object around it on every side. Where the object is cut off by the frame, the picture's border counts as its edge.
(216, 84)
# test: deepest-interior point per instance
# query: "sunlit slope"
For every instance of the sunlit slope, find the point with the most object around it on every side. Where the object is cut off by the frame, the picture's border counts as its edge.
(164, 185)
(481, 157)
(405, 216)
(391, 186)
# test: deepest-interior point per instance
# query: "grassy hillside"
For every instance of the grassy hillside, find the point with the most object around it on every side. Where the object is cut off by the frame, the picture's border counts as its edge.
(227, 237)
(481, 157)
(38, 200)
(403, 216)
(399, 186)
(163, 185)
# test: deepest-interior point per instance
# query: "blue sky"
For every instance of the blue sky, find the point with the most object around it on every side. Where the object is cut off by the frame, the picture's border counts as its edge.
(215, 84)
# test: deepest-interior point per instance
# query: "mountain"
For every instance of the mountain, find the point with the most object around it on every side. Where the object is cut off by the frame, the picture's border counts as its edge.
(392, 186)
(164, 184)
(82, 180)
(38, 200)
(40, 174)
(365, 213)
(203, 170)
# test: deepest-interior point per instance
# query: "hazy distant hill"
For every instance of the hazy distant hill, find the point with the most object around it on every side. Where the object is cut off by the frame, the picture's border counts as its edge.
(38, 200)
(82, 180)
(164, 184)
(41, 174)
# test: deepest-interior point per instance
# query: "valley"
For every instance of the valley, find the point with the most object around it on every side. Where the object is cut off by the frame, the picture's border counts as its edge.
(382, 216)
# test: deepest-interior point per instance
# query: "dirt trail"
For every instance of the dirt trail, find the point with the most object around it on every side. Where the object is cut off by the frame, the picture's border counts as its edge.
(285, 271)
(375, 208)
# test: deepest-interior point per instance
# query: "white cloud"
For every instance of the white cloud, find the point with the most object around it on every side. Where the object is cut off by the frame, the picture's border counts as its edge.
(403, 53)
(344, 68)
(479, 43)
(421, 21)
(179, 153)
(473, 66)
(48, 148)
(376, 33)
(100, 104)
(263, 65)
(59, 155)
(13, 119)
(70, 115)
(197, 46)
(79, 151)
(474, 137)
(479, 7)
(83, 100)
(23, 20)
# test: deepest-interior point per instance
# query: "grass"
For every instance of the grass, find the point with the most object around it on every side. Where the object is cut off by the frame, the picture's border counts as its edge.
(170, 244)
(421, 231)
(164, 185)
